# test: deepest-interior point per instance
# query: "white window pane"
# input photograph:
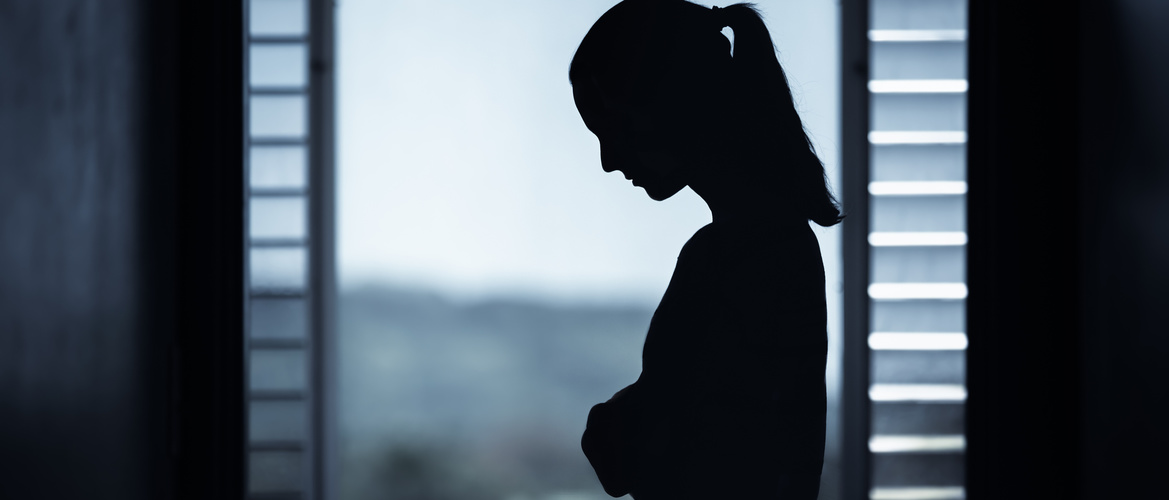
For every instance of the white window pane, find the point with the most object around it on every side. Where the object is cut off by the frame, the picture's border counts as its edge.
(277, 421)
(278, 167)
(278, 318)
(277, 217)
(278, 65)
(278, 268)
(278, 17)
(278, 116)
(275, 471)
(278, 369)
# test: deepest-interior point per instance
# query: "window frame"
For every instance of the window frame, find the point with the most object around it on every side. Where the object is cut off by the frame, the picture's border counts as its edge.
(855, 405)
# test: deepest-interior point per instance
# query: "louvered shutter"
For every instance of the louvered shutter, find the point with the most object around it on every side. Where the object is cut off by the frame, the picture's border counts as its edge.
(289, 246)
(917, 203)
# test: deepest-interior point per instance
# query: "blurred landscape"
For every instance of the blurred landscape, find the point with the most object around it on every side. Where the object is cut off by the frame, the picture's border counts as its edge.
(445, 399)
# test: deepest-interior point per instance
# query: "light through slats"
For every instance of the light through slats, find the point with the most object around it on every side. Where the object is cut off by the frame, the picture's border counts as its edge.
(277, 421)
(278, 370)
(281, 65)
(279, 116)
(917, 444)
(891, 341)
(890, 137)
(919, 493)
(917, 393)
(919, 291)
(278, 17)
(278, 268)
(278, 167)
(917, 35)
(273, 217)
(937, 86)
(278, 318)
(917, 239)
(275, 471)
(917, 188)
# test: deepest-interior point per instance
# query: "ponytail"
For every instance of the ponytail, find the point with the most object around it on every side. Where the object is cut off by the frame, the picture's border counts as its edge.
(767, 93)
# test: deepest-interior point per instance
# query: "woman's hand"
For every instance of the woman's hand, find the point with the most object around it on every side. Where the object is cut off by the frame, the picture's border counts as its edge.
(620, 395)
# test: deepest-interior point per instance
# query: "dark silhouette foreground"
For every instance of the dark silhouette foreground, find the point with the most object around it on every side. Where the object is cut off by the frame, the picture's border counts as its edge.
(731, 399)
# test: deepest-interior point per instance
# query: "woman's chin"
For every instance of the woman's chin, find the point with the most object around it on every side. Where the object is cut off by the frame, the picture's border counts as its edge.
(660, 193)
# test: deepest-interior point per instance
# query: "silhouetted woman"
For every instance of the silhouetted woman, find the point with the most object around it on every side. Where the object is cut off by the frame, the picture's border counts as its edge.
(731, 398)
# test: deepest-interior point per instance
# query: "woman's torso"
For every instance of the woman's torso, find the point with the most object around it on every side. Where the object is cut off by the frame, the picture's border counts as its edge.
(732, 386)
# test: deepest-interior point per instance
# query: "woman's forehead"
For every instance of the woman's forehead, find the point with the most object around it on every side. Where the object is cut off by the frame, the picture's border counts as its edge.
(591, 105)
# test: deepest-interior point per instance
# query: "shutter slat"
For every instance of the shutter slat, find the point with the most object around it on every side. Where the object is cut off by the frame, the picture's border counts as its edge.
(914, 111)
(918, 418)
(918, 60)
(923, 214)
(918, 367)
(918, 162)
(918, 14)
(918, 264)
(918, 316)
(918, 469)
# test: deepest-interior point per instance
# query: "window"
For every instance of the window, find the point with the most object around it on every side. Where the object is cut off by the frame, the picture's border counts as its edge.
(443, 106)
(495, 283)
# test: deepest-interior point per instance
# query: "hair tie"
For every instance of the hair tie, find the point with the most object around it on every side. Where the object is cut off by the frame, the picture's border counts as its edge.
(720, 17)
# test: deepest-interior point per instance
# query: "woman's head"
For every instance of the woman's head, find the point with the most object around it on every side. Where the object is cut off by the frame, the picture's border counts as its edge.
(655, 80)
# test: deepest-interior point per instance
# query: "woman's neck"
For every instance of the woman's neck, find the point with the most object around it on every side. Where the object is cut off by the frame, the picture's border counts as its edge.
(746, 205)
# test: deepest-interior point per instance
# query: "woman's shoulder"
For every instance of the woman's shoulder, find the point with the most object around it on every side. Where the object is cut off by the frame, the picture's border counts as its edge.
(740, 259)
(751, 241)
(699, 243)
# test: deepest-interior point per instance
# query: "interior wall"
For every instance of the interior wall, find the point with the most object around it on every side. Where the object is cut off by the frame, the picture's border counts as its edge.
(121, 263)
(1023, 404)
(1069, 191)
(83, 414)
(1124, 170)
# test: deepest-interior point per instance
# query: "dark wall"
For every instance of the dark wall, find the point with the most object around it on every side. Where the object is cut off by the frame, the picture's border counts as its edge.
(1068, 311)
(121, 249)
(1124, 170)
(79, 360)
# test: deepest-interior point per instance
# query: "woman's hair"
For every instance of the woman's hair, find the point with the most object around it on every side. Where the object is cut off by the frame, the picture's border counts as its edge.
(642, 40)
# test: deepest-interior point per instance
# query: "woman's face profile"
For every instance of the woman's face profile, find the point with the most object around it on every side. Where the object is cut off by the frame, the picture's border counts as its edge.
(636, 139)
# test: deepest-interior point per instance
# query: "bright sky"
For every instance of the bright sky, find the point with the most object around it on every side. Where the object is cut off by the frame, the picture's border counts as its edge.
(464, 167)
